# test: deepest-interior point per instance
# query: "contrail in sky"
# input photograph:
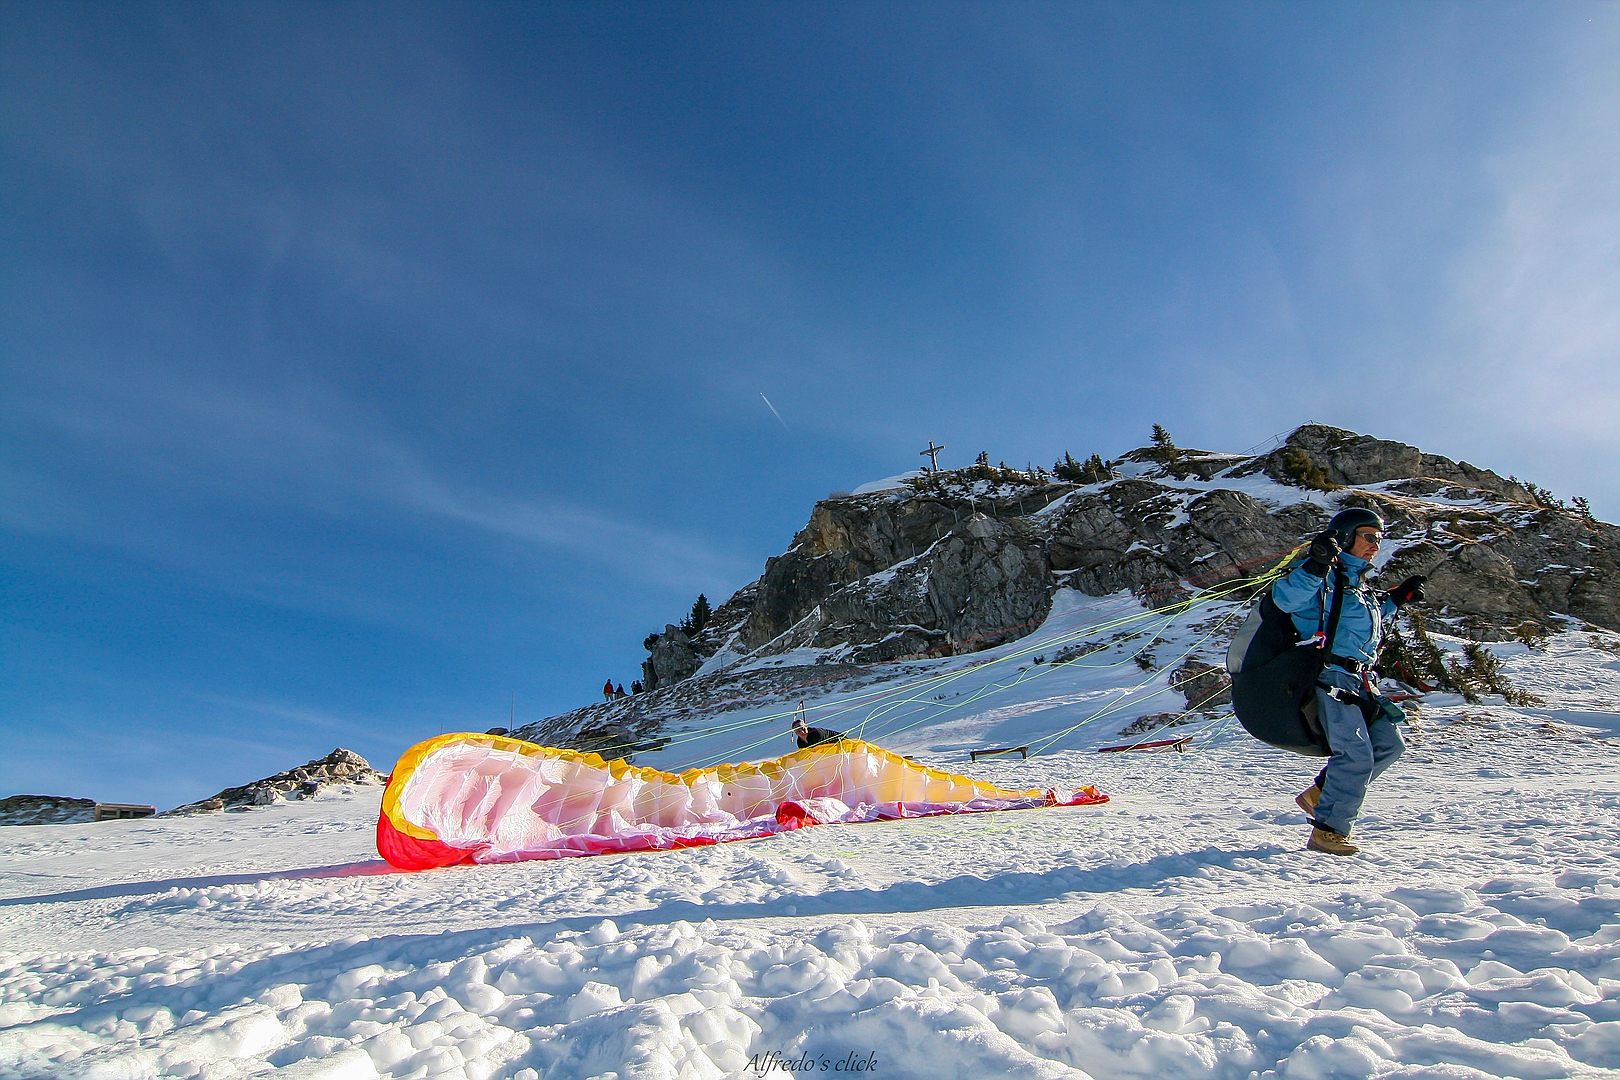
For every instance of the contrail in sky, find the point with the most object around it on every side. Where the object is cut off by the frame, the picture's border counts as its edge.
(774, 413)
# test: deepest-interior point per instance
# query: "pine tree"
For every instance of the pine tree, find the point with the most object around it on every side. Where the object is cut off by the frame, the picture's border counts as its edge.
(1165, 444)
(699, 618)
(983, 460)
(1299, 467)
(1481, 674)
(1411, 653)
(1545, 497)
(1091, 471)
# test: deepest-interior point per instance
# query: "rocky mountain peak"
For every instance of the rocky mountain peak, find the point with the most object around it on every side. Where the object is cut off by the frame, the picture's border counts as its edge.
(960, 560)
(963, 559)
(340, 767)
(1352, 460)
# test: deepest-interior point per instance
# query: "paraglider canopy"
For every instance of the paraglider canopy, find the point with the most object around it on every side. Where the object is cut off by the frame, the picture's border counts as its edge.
(488, 798)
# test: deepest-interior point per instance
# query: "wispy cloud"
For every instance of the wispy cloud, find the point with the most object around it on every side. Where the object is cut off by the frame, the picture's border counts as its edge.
(215, 445)
(1535, 302)
(666, 557)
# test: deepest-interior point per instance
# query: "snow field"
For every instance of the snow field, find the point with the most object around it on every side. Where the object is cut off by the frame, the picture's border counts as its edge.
(1359, 987)
(1179, 930)
(996, 697)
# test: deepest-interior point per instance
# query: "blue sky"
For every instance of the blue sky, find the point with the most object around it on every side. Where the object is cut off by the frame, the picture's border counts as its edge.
(364, 365)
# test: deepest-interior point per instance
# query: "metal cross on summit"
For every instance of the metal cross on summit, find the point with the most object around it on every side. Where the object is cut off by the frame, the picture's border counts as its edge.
(932, 454)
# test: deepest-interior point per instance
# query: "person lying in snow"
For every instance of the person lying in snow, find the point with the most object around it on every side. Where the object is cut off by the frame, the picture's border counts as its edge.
(1358, 720)
(813, 736)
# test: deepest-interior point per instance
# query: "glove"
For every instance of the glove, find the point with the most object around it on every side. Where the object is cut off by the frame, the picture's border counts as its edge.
(1409, 591)
(1324, 549)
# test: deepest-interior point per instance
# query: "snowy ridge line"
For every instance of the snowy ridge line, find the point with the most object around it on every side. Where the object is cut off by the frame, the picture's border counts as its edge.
(876, 699)
(1058, 639)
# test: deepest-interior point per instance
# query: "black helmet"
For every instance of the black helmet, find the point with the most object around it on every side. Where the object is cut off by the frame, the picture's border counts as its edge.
(1346, 522)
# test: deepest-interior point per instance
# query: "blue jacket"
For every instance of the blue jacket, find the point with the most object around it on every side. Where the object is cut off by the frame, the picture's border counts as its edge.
(1309, 599)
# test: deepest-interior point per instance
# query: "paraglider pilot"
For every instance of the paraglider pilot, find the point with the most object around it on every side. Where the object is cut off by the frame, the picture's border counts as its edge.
(813, 736)
(1359, 722)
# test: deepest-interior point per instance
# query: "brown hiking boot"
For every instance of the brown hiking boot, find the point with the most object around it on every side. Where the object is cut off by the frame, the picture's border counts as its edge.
(1307, 800)
(1331, 842)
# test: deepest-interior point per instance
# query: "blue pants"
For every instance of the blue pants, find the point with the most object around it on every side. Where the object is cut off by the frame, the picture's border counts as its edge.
(1361, 752)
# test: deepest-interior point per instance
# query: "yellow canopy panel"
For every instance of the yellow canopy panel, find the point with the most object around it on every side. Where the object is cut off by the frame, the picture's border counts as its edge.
(487, 798)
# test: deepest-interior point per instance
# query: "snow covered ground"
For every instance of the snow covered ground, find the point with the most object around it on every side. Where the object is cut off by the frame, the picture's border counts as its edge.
(1179, 930)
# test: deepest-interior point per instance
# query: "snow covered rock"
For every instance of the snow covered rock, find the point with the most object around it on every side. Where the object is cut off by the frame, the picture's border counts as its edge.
(960, 561)
(1204, 685)
(45, 810)
(339, 767)
(955, 562)
(1358, 460)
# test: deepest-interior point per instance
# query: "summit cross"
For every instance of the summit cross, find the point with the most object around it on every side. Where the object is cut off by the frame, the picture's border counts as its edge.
(932, 454)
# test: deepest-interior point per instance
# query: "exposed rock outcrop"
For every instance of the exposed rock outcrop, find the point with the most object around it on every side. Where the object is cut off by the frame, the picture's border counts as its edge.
(1353, 460)
(672, 657)
(340, 767)
(962, 560)
(1143, 725)
(851, 538)
(1205, 686)
(45, 810)
(980, 584)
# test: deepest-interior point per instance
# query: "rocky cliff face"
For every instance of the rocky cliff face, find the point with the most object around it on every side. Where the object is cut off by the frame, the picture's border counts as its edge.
(964, 560)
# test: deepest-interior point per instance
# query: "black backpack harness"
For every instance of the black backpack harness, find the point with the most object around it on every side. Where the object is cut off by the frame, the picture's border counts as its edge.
(1274, 675)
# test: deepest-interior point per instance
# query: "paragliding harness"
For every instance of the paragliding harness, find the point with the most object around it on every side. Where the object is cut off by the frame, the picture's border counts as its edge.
(1274, 676)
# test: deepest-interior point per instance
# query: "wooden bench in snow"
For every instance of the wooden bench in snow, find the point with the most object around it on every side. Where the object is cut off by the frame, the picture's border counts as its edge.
(1178, 745)
(1021, 751)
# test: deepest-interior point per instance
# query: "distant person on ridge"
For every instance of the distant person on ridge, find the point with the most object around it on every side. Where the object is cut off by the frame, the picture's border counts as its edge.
(1359, 721)
(607, 690)
(618, 691)
(813, 736)
(635, 687)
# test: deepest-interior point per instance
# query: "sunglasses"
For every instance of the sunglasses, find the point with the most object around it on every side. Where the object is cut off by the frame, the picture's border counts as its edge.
(1370, 536)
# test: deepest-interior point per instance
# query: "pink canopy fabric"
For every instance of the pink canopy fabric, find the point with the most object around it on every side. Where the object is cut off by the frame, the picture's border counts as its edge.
(486, 798)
